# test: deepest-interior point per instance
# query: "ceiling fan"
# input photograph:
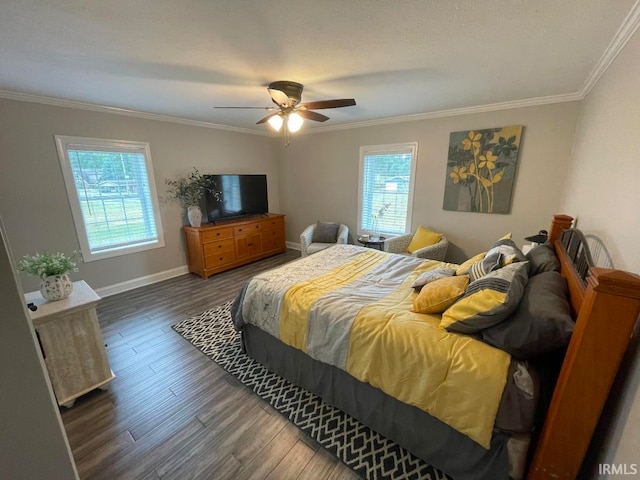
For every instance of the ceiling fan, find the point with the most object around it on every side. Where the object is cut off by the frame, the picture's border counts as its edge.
(289, 112)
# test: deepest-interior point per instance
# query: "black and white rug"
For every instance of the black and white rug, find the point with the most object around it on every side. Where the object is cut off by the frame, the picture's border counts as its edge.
(367, 453)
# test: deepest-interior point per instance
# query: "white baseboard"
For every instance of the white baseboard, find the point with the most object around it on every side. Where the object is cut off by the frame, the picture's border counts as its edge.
(294, 246)
(141, 281)
(156, 277)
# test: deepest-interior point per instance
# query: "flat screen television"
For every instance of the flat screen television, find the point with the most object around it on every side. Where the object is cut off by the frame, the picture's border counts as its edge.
(236, 196)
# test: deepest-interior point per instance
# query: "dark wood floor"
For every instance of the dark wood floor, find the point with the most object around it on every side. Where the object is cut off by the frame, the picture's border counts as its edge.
(171, 413)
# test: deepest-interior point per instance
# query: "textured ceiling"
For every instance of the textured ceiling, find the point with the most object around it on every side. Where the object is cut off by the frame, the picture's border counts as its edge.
(396, 58)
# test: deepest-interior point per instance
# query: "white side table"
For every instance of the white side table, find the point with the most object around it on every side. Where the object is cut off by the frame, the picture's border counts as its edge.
(71, 342)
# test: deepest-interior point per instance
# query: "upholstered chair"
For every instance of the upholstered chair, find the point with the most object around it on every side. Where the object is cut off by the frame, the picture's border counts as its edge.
(401, 243)
(322, 235)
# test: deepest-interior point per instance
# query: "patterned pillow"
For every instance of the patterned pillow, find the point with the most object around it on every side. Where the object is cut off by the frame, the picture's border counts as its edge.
(487, 301)
(492, 261)
(509, 250)
(437, 296)
(464, 268)
(432, 276)
(325, 232)
(503, 252)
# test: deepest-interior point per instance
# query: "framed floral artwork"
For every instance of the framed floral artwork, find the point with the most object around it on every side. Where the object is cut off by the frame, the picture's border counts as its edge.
(481, 168)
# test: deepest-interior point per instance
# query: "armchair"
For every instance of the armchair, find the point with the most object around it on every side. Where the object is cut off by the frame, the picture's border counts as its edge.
(400, 243)
(308, 246)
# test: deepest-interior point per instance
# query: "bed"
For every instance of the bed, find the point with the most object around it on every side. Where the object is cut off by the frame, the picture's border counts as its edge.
(339, 324)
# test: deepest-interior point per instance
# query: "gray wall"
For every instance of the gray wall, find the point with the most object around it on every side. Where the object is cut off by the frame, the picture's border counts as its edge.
(603, 189)
(34, 200)
(34, 444)
(319, 175)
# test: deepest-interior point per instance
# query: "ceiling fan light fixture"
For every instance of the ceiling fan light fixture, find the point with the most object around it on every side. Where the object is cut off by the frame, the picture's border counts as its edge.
(294, 123)
(276, 122)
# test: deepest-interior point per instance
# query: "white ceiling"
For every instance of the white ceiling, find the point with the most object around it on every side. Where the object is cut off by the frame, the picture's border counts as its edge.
(180, 58)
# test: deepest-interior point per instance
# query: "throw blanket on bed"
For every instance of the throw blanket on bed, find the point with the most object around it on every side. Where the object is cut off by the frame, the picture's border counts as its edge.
(350, 308)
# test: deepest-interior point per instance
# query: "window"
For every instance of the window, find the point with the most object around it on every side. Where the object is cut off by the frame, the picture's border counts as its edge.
(386, 188)
(112, 194)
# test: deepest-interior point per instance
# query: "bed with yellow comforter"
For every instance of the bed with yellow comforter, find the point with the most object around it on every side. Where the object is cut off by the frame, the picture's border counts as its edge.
(349, 308)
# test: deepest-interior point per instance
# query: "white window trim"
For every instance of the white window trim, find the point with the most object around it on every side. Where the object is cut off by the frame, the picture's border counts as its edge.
(61, 144)
(412, 147)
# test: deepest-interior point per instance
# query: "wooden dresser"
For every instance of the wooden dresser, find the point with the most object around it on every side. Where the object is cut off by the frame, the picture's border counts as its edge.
(231, 243)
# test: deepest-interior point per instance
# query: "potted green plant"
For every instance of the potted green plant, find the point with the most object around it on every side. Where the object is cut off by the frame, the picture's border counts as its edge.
(53, 269)
(188, 191)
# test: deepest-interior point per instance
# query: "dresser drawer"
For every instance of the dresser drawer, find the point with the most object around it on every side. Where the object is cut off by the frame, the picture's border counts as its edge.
(247, 228)
(272, 234)
(213, 248)
(216, 234)
(222, 258)
(273, 244)
(277, 222)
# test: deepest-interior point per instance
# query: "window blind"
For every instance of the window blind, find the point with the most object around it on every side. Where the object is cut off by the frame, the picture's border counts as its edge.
(114, 196)
(386, 182)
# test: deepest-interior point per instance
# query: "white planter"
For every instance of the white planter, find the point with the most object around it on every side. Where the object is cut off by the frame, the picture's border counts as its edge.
(56, 287)
(194, 214)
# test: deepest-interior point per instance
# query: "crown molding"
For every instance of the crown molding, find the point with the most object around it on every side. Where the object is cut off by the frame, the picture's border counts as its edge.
(620, 39)
(27, 97)
(530, 102)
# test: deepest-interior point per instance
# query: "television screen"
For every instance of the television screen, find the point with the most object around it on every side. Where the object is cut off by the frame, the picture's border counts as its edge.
(236, 196)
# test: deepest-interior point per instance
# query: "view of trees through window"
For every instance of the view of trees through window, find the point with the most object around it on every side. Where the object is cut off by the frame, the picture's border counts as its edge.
(114, 197)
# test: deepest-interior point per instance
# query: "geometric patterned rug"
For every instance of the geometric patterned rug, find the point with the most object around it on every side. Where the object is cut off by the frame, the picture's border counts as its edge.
(369, 454)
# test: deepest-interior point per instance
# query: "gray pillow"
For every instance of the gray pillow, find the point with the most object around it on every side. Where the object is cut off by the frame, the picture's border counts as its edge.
(432, 276)
(325, 232)
(542, 258)
(541, 323)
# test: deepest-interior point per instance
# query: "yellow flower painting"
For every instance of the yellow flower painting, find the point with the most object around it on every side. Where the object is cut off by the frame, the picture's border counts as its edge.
(481, 169)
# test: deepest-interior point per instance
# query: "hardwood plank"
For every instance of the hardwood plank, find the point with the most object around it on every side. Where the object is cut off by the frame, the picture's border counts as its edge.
(271, 455)
(93, 462)
(293, 463)
(150, 450)
(210, 441)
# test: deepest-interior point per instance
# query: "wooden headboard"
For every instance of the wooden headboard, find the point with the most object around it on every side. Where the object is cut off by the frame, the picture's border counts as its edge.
(606, 304)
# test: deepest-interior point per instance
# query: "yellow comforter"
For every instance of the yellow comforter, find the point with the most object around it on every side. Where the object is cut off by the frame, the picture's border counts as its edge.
(350, 308)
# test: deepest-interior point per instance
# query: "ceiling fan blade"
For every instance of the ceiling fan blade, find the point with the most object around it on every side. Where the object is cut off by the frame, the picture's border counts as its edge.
(266, 119)
(341, 102)
(315, 116)
(279, 98)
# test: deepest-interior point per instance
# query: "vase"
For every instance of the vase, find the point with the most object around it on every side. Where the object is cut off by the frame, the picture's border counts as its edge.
(194, 214)
(56, 287)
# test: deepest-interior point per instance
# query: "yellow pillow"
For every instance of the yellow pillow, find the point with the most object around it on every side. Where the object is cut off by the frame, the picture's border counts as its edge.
(423, 238)
(436, 297)
(466, 266)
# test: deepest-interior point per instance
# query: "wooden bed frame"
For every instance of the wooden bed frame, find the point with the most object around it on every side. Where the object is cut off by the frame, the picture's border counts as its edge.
(606, 304)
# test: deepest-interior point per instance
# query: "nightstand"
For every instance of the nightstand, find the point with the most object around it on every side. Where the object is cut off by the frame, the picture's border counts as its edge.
(71, 342)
